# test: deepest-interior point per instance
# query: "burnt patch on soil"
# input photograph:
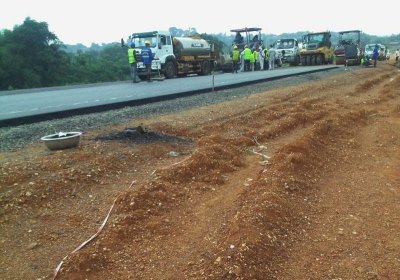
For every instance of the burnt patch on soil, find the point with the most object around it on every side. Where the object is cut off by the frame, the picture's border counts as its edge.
(140, 135)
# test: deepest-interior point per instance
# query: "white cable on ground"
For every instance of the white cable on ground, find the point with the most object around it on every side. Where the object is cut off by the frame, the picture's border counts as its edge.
(57, 269)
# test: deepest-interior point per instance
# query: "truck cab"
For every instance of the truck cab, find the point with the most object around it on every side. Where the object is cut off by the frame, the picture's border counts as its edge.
(288, 50)
(160, 45)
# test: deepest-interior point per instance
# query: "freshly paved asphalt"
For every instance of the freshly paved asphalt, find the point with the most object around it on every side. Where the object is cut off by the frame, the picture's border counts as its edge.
(27, 106)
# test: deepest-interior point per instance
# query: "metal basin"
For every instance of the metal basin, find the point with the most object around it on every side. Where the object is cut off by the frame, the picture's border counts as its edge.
(62, 140)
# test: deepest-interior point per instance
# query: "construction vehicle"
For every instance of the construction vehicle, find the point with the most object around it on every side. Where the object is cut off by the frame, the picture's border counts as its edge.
(252, 37)
(369, 51)
(317, 49)
(348, 51)
(288, 50)
(174, 56)
(247, 36)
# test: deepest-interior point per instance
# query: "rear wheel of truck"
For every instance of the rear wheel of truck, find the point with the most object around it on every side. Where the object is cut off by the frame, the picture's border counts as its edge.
(319, 59)
(303, 61)
(205, 68)
(170, 70)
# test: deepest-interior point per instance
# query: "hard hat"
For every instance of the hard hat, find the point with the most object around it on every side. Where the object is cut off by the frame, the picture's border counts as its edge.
(147, 42)
(235, 47)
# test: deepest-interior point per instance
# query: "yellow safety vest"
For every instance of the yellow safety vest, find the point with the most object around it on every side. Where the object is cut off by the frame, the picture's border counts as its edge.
(252, 58)
(246, 54)
(235, 55)
(131, 55)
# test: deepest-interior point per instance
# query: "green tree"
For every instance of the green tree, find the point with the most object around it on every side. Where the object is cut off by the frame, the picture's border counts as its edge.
(31, 56)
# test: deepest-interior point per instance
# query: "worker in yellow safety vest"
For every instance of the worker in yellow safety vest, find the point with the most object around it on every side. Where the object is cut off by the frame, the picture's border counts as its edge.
(266, 60)
(133, 62)
(256, 60)
(235, 59)
(246, 57)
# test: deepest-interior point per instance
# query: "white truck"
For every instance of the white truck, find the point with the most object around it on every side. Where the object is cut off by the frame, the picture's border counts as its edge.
(174, 56)
(288, 50)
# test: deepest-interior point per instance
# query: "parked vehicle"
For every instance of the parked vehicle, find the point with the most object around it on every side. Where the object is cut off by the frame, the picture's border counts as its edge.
(175, 56)
(348, 51)
(369, 50)
(288, 50)
(317, 49)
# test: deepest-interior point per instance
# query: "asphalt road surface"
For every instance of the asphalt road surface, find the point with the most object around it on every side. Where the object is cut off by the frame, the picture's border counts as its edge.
(23, 106)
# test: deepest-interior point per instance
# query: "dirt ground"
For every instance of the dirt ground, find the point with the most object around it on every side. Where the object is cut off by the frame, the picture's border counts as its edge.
(300, 182)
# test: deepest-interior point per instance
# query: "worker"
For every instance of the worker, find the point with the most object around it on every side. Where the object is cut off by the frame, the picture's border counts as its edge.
(147, 57)
(261, 57)
(252, 60)
(235, 59)
(246, 58)
(133, 62)
(375, 54)
(266, 62)
(271, 57)
(397, 53)
(130, 42)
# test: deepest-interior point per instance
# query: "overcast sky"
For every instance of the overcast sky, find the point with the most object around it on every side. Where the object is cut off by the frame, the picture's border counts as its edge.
(89, 21)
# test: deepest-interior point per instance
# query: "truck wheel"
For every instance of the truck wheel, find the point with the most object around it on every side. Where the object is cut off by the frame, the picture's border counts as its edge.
(205, 68)
(309, 60)
(170, 70)
(303, 61)
(318, 60)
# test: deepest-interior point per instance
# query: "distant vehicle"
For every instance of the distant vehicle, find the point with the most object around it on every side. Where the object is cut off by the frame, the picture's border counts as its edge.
(288, 50)
(369, 51)
(317, 49)
(348, 51)
(175, 56)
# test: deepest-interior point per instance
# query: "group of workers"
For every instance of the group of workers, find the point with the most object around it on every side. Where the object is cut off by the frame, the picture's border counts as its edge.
(251, 59)
(146, 58)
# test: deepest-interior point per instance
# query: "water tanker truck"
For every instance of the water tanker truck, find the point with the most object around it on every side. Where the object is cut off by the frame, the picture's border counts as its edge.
(174, 56)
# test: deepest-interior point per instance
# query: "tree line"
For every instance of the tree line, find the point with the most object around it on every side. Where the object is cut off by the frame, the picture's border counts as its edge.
(31, 56)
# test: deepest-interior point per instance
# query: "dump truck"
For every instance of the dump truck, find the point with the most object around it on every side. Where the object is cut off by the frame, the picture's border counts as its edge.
(317, 49)
(174, 56)
(348, 50)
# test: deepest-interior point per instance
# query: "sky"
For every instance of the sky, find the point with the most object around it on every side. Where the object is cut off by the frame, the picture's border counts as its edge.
(88, 21)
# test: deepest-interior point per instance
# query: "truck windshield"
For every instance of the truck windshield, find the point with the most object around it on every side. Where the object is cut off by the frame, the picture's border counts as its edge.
(315, 38)
(285, 44)
(369, 47)
(139, 42)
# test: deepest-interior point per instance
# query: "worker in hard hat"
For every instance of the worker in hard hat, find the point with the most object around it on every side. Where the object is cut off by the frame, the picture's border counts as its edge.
(246, 57)
(147, 58)
(235, 59)
(133, 62)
